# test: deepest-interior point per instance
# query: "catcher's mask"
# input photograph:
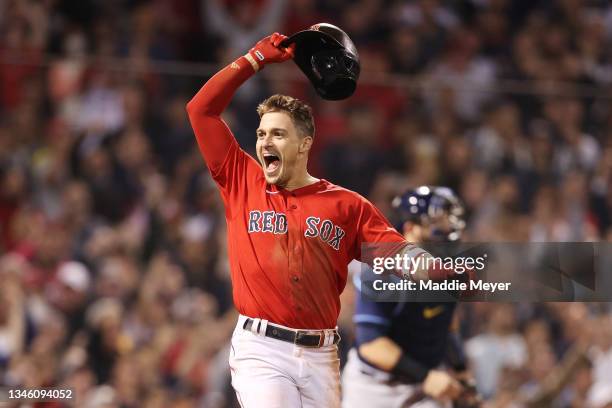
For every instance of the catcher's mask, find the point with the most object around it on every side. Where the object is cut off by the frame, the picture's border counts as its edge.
(329, 59)
(426, 204)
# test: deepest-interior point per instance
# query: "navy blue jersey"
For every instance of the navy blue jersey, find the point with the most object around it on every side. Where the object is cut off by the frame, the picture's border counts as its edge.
(420, 329)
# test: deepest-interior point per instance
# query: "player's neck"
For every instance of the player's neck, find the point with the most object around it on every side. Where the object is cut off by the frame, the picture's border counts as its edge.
(302, 180)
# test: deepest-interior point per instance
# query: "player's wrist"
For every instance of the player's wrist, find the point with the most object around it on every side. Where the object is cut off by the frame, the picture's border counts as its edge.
(417, 270)
(408, 368)
(256, 58)
(254, 64)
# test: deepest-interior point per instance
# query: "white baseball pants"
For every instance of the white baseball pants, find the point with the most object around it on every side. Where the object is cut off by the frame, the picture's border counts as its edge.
(272, 373)
(361, 390)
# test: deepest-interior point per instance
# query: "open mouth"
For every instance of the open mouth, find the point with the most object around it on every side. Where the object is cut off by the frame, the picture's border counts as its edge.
(271, 162)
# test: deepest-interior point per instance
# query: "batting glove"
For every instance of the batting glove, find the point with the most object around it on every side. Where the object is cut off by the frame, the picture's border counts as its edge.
(269, 50)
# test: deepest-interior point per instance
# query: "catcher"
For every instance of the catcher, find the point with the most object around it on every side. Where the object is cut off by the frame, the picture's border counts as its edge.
(400, 346)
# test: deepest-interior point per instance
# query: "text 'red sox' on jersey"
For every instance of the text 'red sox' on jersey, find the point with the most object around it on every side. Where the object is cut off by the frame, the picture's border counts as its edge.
(288, 250)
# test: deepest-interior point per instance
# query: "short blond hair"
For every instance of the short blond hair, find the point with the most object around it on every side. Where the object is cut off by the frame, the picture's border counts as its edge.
(300, 113)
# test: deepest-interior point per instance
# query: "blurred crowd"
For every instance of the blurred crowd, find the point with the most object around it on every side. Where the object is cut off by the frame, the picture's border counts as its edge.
(114, 279)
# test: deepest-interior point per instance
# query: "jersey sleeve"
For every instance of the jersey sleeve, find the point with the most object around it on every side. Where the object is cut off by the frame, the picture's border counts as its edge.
(372, 319)
(376, 233)
(229, 165)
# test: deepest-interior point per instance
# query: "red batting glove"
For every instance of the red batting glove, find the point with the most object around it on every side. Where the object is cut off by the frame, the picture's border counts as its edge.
(437, 272)
(269, 50)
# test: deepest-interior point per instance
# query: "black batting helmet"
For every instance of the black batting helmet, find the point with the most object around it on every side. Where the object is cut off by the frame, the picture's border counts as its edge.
(426, 203)
(329, 59)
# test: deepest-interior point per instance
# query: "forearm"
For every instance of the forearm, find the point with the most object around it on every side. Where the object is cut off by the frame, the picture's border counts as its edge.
(387, 355)
(214, 138)
(216, 94)
(410, 261)
(382, 352)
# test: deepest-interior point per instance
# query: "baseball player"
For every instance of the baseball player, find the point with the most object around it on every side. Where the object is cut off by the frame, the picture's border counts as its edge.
(400, 345)
(290, 239)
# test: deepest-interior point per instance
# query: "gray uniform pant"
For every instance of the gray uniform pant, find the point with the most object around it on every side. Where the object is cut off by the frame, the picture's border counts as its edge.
(367, 387)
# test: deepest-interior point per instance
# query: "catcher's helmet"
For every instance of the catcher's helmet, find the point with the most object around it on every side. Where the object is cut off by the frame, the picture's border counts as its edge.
(425, 204)
(329, 59)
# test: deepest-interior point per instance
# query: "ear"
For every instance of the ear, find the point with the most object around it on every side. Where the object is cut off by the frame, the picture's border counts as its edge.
(305, 144)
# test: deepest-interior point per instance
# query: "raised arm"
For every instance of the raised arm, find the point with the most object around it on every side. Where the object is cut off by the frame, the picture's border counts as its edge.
(215, 140)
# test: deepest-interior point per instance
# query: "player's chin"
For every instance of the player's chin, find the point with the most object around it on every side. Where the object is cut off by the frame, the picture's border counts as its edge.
(274, 178)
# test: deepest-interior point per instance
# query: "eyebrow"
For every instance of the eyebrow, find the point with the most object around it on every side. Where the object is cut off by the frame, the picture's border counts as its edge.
(272, 130)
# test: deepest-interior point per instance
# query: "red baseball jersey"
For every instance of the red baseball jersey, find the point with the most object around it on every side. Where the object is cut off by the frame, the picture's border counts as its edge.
(288, 250)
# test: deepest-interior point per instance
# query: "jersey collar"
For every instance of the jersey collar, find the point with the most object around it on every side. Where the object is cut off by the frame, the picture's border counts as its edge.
(309, 189)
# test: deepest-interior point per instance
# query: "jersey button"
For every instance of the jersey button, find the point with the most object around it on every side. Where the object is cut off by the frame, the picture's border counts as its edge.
(293, 207)
(295, 278)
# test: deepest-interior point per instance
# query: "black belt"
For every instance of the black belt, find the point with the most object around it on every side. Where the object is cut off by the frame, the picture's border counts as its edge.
(304, 338)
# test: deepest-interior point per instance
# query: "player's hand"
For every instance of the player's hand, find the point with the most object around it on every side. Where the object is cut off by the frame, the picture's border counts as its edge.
(269, 50)
(440, 271)
(469, 397)
(441, 386)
